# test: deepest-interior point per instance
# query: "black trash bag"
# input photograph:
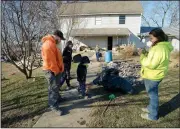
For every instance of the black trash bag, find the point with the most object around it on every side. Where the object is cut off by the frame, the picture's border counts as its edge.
(77, 58)
(111, 81)
(103, 76)
(112, 71)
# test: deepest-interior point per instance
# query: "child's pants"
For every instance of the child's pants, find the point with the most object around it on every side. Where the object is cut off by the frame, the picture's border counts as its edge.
(82, 86)
(66, 74)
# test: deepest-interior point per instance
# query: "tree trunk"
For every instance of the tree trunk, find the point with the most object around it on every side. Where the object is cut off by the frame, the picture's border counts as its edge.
(30, 73)
(25, 73)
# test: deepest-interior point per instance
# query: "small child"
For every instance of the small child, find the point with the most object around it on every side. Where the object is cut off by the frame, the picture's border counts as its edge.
(81, 76)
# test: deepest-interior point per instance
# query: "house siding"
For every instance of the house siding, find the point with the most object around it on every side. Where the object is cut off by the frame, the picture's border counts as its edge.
(93, 41)
(132, 22)
(175, 44)
(100, 40)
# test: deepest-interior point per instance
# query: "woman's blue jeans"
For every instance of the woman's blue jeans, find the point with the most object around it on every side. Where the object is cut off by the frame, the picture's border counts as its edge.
(152, 90)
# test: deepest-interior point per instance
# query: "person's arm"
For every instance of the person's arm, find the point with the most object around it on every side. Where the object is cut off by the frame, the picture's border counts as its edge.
(64, 52)
(80, 74)
(60, 61)
(152, 60)
(71, 53)
(83, 74)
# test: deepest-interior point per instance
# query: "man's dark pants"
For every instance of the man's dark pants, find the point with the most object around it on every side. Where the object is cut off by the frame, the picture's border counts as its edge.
(67, 69)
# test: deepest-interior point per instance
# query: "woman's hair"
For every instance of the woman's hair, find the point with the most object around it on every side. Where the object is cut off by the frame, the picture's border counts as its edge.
(159, 34)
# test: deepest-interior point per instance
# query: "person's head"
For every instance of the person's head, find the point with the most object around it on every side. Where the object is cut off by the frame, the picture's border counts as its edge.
(85, 60)
(70, 44)
(58, 35)
(157, 35)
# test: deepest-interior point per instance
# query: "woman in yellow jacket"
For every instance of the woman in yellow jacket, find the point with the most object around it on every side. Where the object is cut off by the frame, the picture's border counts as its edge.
(154, 69)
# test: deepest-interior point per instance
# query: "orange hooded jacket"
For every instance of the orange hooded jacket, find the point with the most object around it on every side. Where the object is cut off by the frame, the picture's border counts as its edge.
(51, 55)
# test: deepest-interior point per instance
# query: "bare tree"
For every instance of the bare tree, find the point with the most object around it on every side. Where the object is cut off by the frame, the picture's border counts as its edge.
(174, 15)
(73, 21)
(23, 25)
(163, 13)
(146, 20)
(145, 5)
(69, 22)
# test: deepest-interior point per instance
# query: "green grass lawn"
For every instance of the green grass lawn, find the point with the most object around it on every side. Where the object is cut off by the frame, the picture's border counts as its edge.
(21, 99)
(126, 109)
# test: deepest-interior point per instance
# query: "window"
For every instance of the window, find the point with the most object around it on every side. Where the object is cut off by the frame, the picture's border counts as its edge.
(122, 19)
(98, 20)
(75, 21)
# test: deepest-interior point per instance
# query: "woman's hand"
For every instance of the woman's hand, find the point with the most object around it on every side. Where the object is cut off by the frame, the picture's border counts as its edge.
(140, 51)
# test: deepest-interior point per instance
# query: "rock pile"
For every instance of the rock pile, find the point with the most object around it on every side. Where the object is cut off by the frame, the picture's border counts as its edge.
(129, 71)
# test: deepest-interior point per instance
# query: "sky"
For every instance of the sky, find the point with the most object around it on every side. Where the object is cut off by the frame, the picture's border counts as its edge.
(148, 7)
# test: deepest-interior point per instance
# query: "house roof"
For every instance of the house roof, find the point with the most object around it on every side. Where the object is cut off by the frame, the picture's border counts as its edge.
(146, 29)
(100, 32)
(171, 31)
(101, 7)
(174, 32)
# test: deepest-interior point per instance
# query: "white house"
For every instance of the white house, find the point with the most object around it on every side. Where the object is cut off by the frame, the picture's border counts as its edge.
(106, 23)
(173, 36)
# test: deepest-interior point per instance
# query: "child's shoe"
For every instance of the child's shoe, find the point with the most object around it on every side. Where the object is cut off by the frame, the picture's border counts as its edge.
(81, 97)
(88, 95)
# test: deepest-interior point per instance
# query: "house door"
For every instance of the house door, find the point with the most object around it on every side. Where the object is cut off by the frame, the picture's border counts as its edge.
(110, 43)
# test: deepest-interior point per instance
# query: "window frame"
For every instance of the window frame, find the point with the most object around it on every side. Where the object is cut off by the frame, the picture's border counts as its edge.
(98, 19)
(122, 18)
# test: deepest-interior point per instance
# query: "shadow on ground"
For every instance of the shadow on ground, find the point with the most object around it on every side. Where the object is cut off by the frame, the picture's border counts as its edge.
(169, 106)
(23, 101)
(98, 94)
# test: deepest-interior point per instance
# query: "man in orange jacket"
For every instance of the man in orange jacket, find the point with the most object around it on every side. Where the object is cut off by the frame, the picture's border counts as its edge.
(53, 67)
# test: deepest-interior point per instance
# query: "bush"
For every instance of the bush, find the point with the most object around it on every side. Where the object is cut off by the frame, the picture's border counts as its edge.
(175, 55)
(174, 59)
(130, 50)
(135, 52)
(127, 51)
(119, 49)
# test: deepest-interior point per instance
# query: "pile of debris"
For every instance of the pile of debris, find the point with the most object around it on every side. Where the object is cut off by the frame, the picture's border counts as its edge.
(129, 71)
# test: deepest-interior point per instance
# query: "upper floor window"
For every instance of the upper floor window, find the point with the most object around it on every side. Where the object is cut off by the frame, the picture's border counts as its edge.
(98, 20)
(122, 19)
